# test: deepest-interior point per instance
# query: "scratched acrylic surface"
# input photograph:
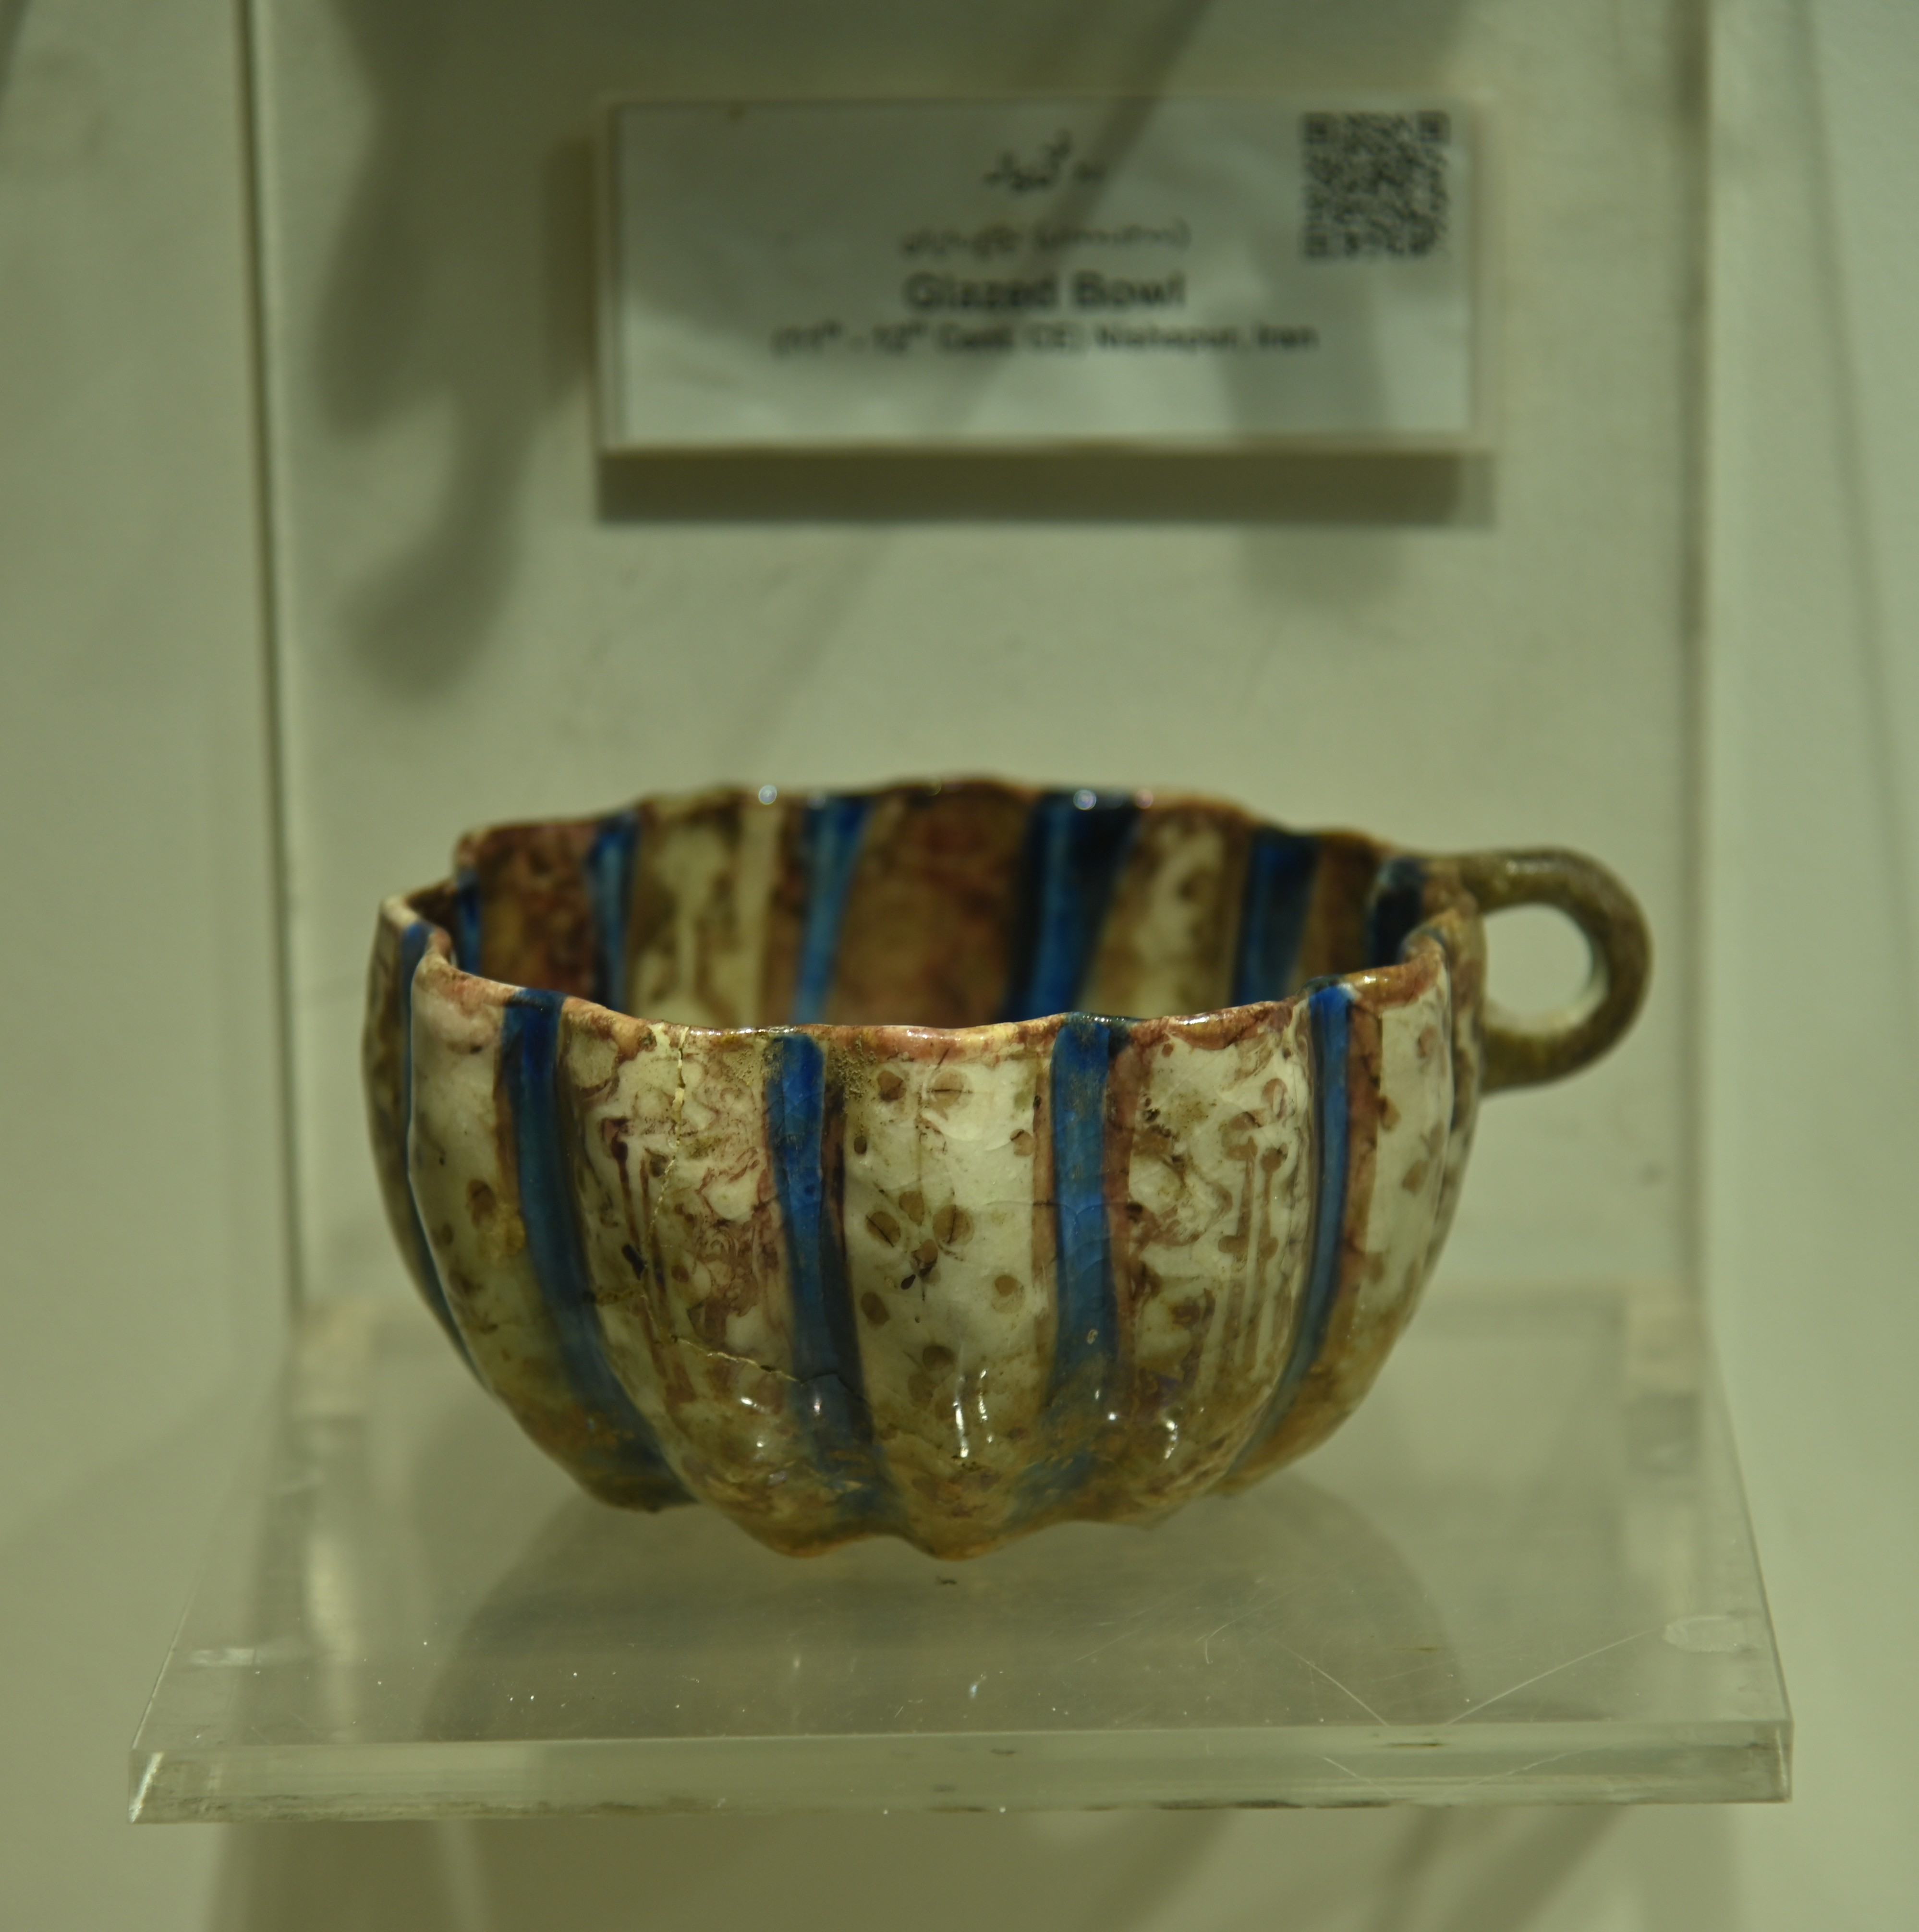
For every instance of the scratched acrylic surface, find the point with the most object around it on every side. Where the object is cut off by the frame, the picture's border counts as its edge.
(1556, 1600)
(940, 1162)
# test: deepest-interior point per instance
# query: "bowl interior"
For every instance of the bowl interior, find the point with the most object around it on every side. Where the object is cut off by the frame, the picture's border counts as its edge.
(939, 905)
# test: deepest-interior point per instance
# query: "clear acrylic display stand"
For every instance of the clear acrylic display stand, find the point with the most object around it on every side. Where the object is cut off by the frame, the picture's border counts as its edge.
(1525, 1575)
(1524, 1571)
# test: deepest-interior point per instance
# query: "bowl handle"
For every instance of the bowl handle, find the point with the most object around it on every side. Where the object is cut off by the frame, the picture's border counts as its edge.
(1523, 1051)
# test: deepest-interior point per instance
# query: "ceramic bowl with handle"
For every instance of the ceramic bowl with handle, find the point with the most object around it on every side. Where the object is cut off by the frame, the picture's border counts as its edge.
(947, 1159)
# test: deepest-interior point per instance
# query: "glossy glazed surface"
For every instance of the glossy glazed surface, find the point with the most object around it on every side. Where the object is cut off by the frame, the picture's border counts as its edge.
(882, 1219)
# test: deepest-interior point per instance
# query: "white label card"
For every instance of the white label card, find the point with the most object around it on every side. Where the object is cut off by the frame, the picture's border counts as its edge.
(956, 274)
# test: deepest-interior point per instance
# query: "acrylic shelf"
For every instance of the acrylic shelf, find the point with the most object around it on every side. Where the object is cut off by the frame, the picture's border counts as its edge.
(1522, 1574)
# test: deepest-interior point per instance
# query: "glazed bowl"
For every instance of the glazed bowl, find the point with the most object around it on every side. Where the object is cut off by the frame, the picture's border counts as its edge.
(945, 1160)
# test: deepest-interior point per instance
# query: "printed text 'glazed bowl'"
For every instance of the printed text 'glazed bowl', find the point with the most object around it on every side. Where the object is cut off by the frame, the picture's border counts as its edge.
(973, 1157)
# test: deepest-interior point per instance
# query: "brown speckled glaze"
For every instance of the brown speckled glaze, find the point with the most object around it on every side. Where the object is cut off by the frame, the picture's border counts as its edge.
(947, 1160)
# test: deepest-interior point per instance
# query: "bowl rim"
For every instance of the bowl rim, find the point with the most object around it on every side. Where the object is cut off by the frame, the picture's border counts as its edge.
(1443, 893)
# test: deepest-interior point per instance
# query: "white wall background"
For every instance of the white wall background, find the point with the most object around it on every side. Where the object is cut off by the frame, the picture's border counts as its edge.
(139, 1175)
(468, 634)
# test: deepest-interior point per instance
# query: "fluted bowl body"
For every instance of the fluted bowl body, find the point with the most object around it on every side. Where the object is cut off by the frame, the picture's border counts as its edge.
(942, 1161)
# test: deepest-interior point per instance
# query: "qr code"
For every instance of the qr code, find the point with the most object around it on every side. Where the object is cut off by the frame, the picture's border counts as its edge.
(1375, 184)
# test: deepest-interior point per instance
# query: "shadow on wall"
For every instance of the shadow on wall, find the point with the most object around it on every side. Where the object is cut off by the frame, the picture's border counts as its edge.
(12, 15)
(458, 291)
(1357, 1871)
(429, 305)
(1044, 488)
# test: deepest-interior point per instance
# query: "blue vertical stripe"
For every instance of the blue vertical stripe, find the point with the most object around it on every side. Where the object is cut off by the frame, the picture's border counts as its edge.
(1076, 845)
(623, 1443)
(1281, 869)
(1085, 1348)
(1083, 1353)
(1329, 1016)
(1397, 905)
(609, 880)
(826, 1345)
(413, 943)
(467, 920)
(829, 837)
